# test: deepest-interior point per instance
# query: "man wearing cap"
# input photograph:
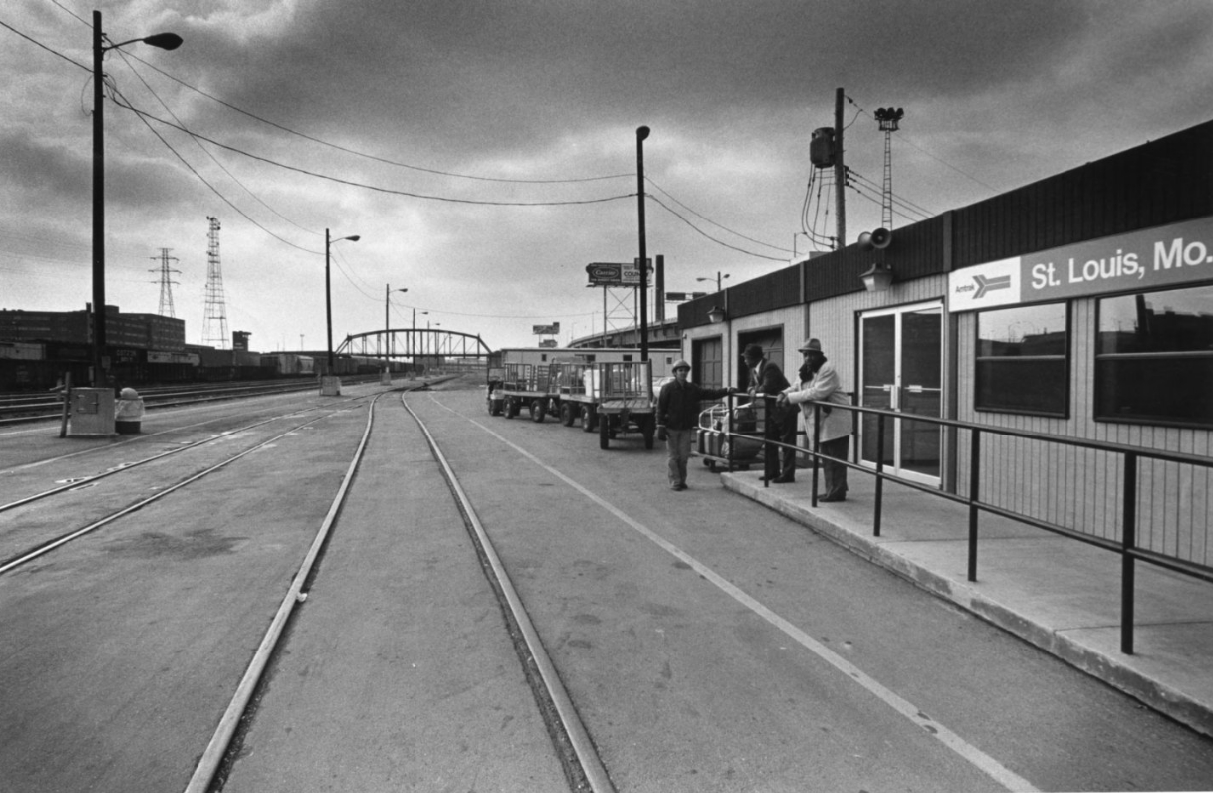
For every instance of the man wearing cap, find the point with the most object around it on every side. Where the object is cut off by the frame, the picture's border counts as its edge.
(677, 417)
(767, 378)
(819, 382)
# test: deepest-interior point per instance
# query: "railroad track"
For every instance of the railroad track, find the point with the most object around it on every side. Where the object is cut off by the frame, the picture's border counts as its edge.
(25, 408)
(571, 742)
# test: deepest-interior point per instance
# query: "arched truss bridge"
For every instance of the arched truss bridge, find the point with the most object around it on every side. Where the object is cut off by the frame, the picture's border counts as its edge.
(414, 343)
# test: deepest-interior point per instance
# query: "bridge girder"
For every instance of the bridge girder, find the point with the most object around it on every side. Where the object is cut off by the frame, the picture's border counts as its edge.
(414, 343)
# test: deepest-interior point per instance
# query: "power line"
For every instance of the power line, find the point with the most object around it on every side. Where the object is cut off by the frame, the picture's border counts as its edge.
(373, 157)
(48, 49)
(709, 236)
(194, 171)
(207, 153)
(709, 220)
(364, 186)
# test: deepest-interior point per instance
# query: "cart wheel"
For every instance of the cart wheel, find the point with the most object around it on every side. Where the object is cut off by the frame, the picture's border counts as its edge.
(537, 410)
(511, 409)
(587, 418)
(604, 432)
(646, 430)
(494, 407)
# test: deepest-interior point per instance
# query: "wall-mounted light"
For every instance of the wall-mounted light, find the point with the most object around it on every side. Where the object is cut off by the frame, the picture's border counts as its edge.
(877, 278)
(715, 315)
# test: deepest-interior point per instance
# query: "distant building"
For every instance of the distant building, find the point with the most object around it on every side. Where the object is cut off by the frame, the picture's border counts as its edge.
(133, 331)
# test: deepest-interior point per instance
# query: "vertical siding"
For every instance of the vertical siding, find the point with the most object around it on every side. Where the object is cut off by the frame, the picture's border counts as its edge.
(1082, 489)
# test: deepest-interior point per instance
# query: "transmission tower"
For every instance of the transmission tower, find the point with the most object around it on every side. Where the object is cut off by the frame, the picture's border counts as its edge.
(887, 117)
(166, 283)
(214, 316)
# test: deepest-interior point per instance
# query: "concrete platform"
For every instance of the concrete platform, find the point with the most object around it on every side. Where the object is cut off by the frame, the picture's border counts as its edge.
(1059, 594)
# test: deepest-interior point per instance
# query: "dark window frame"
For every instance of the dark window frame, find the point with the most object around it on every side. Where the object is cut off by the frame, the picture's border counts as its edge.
(1098, 358)
(978, 359)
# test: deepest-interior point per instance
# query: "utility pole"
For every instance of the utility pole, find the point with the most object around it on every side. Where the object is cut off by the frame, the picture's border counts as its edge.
(840, 170)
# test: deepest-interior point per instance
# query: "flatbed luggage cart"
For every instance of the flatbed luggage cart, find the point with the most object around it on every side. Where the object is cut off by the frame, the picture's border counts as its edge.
(572, 395)
(523, 384)
(730, 434)
(626, 400)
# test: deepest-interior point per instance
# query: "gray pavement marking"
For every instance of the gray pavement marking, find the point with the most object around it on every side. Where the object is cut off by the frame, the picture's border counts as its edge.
(970, 753)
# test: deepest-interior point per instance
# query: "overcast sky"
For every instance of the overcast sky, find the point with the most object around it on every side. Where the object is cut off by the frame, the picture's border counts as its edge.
(422, 126)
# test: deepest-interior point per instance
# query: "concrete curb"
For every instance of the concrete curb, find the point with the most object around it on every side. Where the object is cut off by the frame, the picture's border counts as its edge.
(1119, 671)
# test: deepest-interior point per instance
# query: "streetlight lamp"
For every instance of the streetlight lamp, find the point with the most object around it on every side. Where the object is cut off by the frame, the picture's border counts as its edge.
(330, 383)
(718, 279)
(165, 41)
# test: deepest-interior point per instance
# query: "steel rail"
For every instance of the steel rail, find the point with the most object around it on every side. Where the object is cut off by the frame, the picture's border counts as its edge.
(127, 466)
(570, 721)
(30, 554)
(212, 756)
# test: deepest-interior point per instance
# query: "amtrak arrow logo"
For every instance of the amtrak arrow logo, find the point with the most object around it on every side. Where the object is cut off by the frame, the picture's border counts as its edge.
(990, 284)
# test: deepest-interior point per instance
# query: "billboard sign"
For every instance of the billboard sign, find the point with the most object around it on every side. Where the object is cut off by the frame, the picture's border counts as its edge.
(1140, 260)
(616, 273)
(546, 330)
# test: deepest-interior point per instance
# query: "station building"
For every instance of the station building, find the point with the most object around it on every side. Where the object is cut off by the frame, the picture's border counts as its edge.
(1080, 306)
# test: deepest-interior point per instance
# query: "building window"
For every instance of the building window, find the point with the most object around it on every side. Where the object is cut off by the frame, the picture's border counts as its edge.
(1154, 358)
(1022, 364)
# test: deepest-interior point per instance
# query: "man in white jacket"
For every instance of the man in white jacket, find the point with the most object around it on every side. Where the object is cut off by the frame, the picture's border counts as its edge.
(818, 382)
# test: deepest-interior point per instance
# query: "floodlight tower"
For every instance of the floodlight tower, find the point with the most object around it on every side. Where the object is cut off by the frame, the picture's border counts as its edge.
(214, 316)
(887, 118)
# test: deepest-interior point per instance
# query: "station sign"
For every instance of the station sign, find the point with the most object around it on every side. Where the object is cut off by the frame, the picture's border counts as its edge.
(677, 297)
(1138, 261)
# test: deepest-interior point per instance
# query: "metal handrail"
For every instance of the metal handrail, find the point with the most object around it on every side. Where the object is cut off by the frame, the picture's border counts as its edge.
(1126, 547)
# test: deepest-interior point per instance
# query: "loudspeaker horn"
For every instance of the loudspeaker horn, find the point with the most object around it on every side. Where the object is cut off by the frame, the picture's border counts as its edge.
(881, 238)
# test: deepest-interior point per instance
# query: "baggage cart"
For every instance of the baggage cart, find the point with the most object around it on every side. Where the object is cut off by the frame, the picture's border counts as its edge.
(522, 385)
(625, 402)
(571, 394)
(730, 434)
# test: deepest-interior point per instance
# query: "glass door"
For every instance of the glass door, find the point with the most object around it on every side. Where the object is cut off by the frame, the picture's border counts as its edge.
(901, 354)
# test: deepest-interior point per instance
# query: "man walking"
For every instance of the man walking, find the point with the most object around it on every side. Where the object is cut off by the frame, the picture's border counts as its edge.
(818, 382)
(677, 417)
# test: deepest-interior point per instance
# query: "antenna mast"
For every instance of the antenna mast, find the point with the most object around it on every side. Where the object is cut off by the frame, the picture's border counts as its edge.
(166, 283)
(214, 318)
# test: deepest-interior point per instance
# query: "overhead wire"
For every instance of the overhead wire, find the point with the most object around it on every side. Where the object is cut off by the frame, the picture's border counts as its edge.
(709, 220)
(56, 53)
(207, 152)
(119, 95)
(144, 114)
(709, 236)
(374, 157)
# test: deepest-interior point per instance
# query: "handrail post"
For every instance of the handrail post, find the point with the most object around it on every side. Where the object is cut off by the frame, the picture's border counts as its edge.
(880, 417)
(816, 451)
(1127, 562)
(731, 403)
(974, 491)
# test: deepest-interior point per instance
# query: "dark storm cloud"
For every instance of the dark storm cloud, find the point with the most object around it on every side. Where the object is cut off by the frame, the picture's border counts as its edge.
(502, 75)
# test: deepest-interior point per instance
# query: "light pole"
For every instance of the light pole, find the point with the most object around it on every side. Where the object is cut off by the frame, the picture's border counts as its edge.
(641, 134)
(718, 279)
(330, 384)
(387, 328)
(165, 41)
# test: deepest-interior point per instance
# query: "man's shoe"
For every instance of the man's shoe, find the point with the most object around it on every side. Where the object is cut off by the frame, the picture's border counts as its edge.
(783, 480)
(832, 498)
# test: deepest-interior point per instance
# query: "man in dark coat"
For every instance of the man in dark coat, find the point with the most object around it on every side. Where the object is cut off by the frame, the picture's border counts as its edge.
(677, 417)
(768, 379)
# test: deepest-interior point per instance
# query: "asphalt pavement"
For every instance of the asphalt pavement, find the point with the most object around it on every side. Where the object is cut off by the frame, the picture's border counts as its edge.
(1061, 595)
